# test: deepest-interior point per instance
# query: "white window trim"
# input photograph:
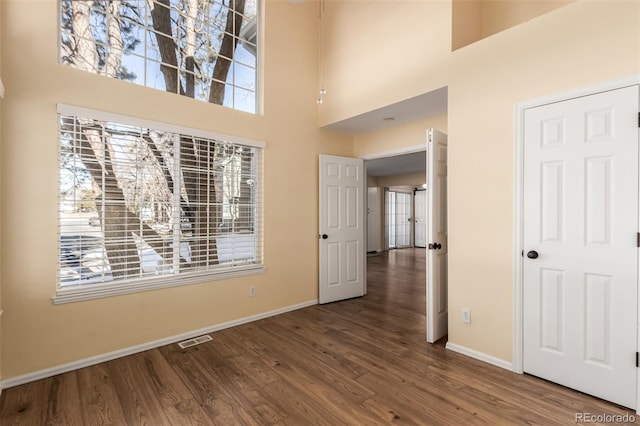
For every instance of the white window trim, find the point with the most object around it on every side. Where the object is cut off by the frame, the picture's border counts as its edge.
(100, 290)
(97, 291)
(141, 122)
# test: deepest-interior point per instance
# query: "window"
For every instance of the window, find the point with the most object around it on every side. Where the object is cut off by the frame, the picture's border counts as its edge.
(144, 205)
(398, 224)
(203, 49)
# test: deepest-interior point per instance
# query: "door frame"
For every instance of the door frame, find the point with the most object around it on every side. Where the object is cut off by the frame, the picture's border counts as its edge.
(518, 260)
(399, 151)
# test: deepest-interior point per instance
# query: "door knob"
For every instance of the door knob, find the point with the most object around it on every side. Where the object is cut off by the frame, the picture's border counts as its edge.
(325, 236)
(532, 254)
(435, 246)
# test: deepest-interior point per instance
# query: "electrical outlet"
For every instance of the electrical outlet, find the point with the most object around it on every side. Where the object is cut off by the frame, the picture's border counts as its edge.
(466, 315)
(252, 291)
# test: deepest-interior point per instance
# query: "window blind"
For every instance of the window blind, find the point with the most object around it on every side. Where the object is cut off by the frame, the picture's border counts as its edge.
(140, 205)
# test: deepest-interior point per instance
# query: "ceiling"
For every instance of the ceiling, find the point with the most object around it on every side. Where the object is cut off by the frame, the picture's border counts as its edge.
(417, 108)
(399, 164)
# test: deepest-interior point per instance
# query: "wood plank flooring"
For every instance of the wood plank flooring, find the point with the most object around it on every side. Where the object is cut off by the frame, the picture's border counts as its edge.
(358, 362)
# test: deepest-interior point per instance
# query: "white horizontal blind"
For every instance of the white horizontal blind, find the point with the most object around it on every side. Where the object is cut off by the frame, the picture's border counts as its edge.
(139, 205)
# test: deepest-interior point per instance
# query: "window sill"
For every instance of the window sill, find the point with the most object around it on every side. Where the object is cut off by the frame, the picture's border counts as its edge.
(97, 291)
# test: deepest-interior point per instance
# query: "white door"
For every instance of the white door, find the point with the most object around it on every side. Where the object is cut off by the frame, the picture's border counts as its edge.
(341, 239)
(437, 236)
(420, 218)
(372, 219)
(580, 243)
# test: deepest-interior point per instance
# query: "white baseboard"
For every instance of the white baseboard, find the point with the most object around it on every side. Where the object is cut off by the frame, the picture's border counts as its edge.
(86, 362)
(480, 356)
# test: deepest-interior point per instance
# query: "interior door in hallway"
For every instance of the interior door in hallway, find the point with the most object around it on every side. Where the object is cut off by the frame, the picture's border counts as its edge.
(437, 283)
(341, 228)
(580, 243)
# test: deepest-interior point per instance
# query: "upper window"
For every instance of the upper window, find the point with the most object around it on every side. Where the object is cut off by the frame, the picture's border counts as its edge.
(145, 205)
(203, 49)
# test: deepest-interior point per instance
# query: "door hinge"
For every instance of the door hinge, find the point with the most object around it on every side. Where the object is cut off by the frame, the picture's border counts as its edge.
(638, 239)
(639, 119)
(637, 359)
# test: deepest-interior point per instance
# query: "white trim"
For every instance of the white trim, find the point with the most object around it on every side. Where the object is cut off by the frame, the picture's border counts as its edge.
(518, 188)
(480, 356)
(86, 362)
(518, 280)
(109, 289)
(398, 151)
(578, 92)
(140, 122)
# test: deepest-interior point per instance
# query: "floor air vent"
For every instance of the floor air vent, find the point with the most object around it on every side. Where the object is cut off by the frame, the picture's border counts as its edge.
(195, 341)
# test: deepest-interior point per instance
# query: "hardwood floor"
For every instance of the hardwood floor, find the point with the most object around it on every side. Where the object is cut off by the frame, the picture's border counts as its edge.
(358, 362)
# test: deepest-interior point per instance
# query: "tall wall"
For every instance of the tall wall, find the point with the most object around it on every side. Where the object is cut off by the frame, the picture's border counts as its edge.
(377, 52)
(1, 311)
(581, 43)
(36, 334)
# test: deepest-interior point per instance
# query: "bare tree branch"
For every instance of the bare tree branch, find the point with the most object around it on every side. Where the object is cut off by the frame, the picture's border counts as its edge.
(86, 56)
(229, 43)
(190, 46)
(113, 60)
(161, 18)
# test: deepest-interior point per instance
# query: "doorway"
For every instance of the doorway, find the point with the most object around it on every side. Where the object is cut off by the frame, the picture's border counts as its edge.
(436, 226)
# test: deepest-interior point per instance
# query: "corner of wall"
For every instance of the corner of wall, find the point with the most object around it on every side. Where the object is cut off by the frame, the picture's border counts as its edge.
(1, 97)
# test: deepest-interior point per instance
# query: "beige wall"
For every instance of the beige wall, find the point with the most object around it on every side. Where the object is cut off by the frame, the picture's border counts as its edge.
(473, 20)
(498, 15)
(38, 335)
(408, 180)
(582, 43)
(371, 51)
(409, 134)
(466, 22)
(1, 311)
